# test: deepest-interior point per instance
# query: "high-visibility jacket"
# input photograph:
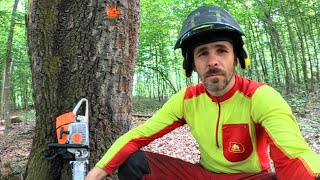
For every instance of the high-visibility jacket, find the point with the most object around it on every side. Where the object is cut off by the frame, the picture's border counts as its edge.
(235, 132)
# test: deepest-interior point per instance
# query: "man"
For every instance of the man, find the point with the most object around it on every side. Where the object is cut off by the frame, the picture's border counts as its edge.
(233, 119)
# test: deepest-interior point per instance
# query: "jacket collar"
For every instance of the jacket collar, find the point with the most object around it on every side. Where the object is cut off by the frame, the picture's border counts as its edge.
(229, 94)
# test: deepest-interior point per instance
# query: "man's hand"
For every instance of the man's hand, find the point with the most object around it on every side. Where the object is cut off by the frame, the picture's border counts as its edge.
(96, 174)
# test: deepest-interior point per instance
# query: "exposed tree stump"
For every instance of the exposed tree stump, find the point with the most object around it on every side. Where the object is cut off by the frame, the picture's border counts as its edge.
(15, 119)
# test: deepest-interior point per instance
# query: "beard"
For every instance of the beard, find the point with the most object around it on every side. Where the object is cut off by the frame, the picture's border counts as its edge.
(216, 84)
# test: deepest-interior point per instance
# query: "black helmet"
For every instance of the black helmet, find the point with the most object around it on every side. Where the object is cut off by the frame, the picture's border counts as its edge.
(209, 24)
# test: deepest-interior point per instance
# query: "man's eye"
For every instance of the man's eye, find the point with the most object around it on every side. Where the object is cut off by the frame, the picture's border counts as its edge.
(222, 50)
(203, 53)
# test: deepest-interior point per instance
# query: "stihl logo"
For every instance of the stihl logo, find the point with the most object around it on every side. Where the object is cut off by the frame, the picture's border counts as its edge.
(235, 147)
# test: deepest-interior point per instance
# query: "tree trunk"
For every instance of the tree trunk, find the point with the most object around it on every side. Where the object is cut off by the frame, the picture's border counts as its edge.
(76, 51)
(178, 74)
(317, 27)
(303, 51)
(275, 35)
(157, 78)
(275, 68)
(262, 57)
(163, 76)
(7, 72)
(294, 49)
(262, 70)
(310, 84)
(275, 65)
(254, 63)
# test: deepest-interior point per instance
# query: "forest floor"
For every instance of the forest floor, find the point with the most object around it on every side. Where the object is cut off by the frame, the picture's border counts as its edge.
(15, 147)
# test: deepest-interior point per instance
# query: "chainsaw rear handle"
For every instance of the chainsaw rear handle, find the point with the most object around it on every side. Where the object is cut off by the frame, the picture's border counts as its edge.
(87, 109)
(62, 132)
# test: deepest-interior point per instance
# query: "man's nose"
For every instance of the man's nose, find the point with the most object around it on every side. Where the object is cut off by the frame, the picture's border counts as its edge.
(212, 60)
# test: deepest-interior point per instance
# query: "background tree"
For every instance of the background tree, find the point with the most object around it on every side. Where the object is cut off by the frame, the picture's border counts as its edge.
(7, 71)
(280, 36)
(75, 52)
(19, 84)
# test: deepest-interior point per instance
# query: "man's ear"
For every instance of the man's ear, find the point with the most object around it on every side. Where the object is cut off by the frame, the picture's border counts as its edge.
(194, 67)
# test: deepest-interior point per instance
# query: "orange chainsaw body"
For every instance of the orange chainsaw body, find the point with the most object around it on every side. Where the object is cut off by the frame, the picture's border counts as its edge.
(62, 124)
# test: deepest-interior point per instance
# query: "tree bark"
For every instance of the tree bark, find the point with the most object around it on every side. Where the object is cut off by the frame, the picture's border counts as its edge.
(76, 52)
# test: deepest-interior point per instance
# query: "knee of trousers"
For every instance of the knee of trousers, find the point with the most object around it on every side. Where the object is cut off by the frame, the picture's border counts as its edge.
(135, 166)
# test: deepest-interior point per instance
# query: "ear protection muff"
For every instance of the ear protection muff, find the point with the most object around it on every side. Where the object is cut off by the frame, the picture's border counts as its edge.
(187, 62)
(242, 53)
(244, 58)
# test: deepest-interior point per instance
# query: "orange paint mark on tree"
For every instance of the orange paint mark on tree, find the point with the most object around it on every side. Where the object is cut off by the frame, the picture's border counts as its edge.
(112, 12)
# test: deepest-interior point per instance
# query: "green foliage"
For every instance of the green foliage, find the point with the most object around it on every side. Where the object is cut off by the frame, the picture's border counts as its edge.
(145, 104)
(158, 67)
(297, 102)
(28, 115)
(20, 85)
(298, 98)
(17, 170)
(265, 24)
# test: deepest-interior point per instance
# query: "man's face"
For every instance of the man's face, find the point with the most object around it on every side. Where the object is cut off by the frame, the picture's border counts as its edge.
(215, 64)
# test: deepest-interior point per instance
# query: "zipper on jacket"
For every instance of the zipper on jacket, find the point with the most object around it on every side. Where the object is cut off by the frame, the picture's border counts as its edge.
(217, 127)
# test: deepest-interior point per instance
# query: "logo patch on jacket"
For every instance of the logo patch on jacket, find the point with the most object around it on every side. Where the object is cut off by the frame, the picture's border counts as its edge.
(237, 144)
(235, 147)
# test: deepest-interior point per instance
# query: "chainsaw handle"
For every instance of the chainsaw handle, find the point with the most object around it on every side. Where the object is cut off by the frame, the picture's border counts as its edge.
(63, 132)
(78, 106)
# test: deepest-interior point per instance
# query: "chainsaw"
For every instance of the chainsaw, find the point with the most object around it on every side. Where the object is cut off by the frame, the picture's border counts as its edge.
(73, 140)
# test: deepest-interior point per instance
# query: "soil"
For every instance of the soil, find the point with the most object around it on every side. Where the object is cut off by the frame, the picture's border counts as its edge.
(15, 148)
